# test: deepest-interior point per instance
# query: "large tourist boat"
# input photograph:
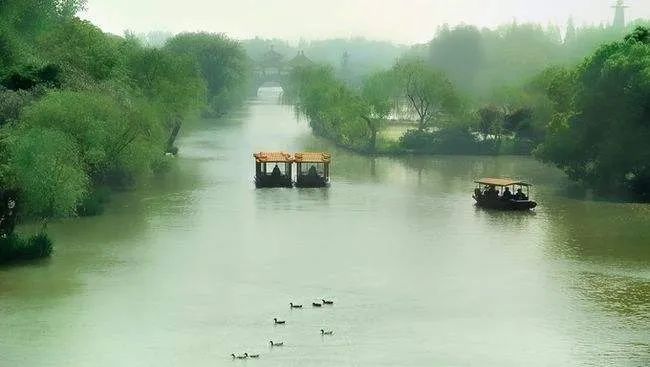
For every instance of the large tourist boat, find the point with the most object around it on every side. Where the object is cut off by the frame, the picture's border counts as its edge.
(273, 169)
(503, 194)
(312, 169)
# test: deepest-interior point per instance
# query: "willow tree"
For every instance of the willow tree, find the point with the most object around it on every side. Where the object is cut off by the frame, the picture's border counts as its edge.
(430, 95)
(47, 169)
(378, 94)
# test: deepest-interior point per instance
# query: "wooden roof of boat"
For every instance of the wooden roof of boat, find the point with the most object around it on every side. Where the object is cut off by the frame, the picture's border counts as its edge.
(501, 182)
(273, 157)
(312, 157)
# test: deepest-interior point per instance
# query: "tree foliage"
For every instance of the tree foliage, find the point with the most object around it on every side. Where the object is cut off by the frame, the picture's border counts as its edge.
(81, 109)
(379, 93)
(45, 164)
(429, 93)
(223, 64)
(600, 137)
(348, 116)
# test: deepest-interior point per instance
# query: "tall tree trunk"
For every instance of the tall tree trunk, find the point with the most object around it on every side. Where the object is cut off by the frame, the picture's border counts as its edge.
(373, 133)
(373, 141)
(176, 128)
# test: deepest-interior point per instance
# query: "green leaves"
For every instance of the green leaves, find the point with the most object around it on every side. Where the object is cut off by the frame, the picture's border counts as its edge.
(379, 91)
(46, 165)
(169, 81)
(81, 108)
(110, 136)
(82, 49)
(221, 61)
(601, 137)
(640, 34)
(429, 93)
(333, 109)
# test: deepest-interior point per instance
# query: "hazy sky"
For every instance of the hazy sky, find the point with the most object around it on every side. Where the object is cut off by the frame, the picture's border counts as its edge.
(404, 21)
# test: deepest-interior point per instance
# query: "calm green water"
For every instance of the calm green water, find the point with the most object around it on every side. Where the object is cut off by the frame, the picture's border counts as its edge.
(195, 266)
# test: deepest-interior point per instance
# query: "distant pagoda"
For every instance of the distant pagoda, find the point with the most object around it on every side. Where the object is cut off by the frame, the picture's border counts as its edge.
(619, 15)
(300, 60)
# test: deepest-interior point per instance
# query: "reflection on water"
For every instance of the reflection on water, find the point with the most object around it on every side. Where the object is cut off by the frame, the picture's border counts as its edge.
(193, 267)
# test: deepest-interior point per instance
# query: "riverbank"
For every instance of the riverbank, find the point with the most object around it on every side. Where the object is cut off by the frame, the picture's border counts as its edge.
(404, 139)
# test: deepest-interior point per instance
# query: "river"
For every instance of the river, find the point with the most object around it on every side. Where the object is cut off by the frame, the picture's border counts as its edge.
(194, 266)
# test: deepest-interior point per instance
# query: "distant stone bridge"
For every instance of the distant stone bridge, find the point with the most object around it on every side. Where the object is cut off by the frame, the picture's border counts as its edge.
(273, 68)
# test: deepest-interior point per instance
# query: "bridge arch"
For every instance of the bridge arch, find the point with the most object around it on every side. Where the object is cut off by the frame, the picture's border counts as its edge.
(273, 69)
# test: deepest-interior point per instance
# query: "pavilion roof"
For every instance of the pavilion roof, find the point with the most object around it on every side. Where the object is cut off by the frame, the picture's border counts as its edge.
(300, 60)
(312, 157)
(501, 182)
(273, 157)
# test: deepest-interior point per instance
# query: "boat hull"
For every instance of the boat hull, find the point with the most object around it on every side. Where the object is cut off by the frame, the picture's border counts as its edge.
(500, 204)
(311, 182)
(273, 182)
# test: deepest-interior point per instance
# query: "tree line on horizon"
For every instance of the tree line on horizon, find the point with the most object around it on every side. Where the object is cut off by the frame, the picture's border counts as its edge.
(543, 98)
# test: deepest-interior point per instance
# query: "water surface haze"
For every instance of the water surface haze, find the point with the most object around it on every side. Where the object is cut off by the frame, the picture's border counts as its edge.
(194, 266)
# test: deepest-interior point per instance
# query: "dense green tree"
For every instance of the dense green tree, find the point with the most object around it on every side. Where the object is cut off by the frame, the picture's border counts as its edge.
(83, 51)
(47, 170)
(112, 138)
(379, 92)
(608, 111)
(429, 93)
(334, 110)
(169, 81)
(223, 64)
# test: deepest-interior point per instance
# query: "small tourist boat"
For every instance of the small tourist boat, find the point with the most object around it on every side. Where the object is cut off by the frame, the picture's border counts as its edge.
(312, 169)
(503, 194)
(273, 169)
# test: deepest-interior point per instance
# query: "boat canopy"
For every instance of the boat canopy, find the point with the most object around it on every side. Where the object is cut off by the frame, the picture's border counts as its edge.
(273, 157)
(312, 157)
(501, 182)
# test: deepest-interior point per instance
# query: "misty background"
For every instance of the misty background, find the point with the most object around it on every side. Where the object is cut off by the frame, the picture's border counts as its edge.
(408, 22)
